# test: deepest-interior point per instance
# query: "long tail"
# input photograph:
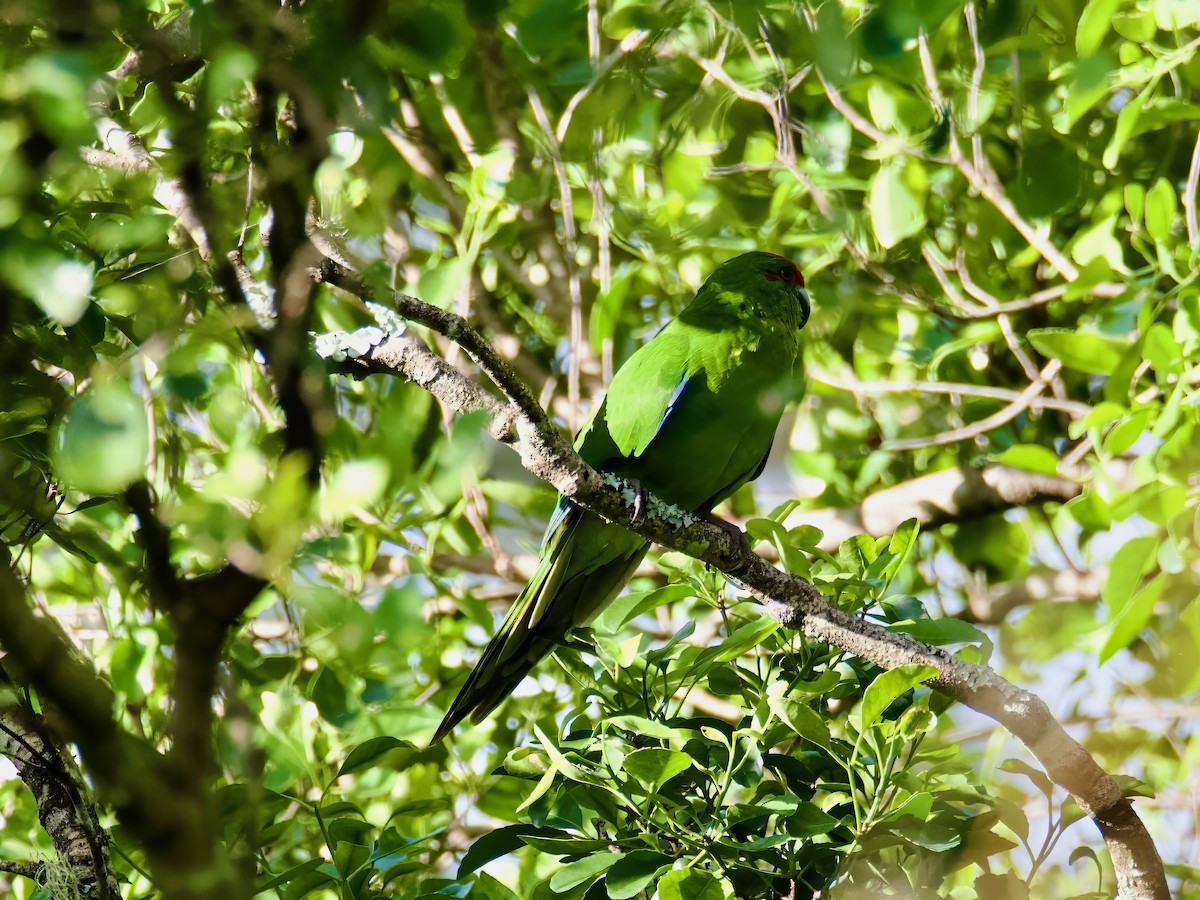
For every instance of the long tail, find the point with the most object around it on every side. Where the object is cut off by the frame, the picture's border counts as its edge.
(584, 563)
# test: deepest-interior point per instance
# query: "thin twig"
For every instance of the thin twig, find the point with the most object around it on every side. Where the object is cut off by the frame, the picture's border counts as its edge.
(984, 180)
(955, 388)
(448, 325)
(976, 84)
(778, 109)
(931, 79)
(1023, 402)
(714, 70)
(574, 289)
(127, 152)
(860, 124)
(979, 174)
(1006, 328)
(600, 68)
(820, 198)
(1189, 197)
(600, 223)
(454, 119)
(408, 138)
(938, 268)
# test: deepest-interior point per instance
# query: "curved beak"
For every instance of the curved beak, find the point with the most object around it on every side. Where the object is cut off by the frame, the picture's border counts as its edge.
(805, 305)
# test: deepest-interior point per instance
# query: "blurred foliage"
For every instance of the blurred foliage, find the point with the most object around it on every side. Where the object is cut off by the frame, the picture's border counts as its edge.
(567, 174)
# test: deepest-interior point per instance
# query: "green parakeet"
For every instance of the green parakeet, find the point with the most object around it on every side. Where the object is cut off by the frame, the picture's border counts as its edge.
(689, 417)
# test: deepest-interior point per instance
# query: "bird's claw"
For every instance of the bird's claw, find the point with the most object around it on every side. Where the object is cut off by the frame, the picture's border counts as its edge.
(640, 501)
(739, 536)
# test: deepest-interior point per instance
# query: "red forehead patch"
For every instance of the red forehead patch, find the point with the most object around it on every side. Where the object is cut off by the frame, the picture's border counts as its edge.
(787, 270)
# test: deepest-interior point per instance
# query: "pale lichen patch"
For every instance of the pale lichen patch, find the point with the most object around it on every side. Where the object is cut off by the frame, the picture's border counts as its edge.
(665, 512)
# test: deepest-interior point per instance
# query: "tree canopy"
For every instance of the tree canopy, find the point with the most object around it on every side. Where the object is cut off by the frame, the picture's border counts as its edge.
(278, 282)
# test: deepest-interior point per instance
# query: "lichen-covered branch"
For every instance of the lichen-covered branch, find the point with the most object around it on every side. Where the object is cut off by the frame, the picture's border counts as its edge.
(64, 804)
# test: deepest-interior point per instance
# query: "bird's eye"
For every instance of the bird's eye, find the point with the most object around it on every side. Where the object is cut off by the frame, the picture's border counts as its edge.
(787, 273)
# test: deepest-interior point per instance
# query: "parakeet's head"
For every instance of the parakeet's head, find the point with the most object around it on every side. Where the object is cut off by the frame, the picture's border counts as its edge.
(781, 269)
(761, 284)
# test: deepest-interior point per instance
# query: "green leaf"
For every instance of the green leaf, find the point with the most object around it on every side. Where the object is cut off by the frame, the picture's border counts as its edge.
(565, 844)
(1127, 120)
(309, 865)
(1088, 82)
(1135, 200)
(1094, 353)
(371, 751)
(1134, 787)
(583, 871)
(896, 202)
(654, 766)
(628, 607)
(690, 884)
(1133, 617)
(1160, 209)
(784, 542)
(606, 310)
(497, 843)
(631, 874)
(1094, 23)
(420, 807)
(809, 820)
(801, 718)
(932, 836)
(900, 546)
(881, 103)
(442, 284)
(642, 726)
(1031, 458)
(1173, 15)
(939, 631)
(330, 697)
(1039, 778)
(1124, 434)
(769, 841)
(1129, 563)
(1098, 247)
(749, 635)
(1163, 351)
(1137, 25)
(103, 440)
(1072, 812)
(544, 784)
(890, 685)
(485, 887)
(779, 805)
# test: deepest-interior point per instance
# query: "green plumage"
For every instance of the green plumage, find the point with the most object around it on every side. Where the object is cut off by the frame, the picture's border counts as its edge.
(690, 416)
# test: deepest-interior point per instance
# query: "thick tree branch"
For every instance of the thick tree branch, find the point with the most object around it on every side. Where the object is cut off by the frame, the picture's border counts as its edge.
(64, 804)
(19, 867)
(797, 603)
(950, 495)
(201, 611)
(448, 325)
(127, 771)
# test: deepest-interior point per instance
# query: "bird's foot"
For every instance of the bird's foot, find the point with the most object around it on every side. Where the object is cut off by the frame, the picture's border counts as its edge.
(732, 530)
(640, 500)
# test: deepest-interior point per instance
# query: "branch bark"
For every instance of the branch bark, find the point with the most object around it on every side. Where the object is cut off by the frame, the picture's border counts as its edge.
(64, 804)
(951, 495)
(126, 770)
(792, 601)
